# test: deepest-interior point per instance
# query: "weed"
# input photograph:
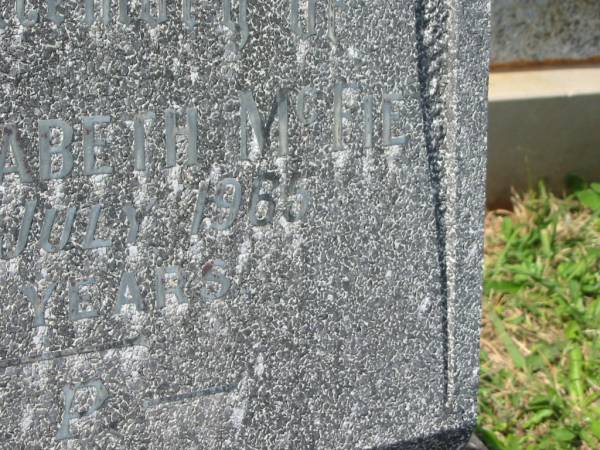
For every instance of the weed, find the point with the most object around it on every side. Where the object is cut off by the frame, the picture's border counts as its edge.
(540, 343)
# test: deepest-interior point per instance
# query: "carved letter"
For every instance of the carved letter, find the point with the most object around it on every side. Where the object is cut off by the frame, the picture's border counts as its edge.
(301, 106)
(188, 19)
(90, 15)
(53, 13)
(282, 115)
(310, 20)
(30, 206)
(249, 112)
(10, 142)
(228, 195)
(139, 138)
(46, 231)
(221, 201)
(101, 395)
(242, 27)
(124, 16)
(190, 132)
(90, 241)
(134, 226)
(199, 210)
(296, 210)
(368, 120)
(131, 214)
(47, 150)
(339, 114)
(162, 290)
(90, 143)
(388, 116)
(129, 293)
(38, 303)
(331, 5)
(75, 311)
(209, 275)
(25, 19)
(146, 14)
(259, 198)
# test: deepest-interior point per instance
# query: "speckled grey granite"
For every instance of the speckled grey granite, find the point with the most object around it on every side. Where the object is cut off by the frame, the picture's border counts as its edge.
(230, 227)
(538, 30)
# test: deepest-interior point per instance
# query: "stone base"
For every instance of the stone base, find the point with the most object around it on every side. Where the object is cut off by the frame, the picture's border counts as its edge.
(475, 444)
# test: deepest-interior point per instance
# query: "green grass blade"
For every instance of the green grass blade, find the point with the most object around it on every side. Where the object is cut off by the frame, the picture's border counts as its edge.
(576, 387)
(490, 440)
(507, 341)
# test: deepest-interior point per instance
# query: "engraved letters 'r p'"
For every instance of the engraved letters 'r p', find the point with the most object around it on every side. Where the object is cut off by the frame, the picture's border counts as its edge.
(69, 391)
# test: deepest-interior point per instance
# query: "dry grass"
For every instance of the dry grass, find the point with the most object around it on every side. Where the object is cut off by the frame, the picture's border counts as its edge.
(540, 353)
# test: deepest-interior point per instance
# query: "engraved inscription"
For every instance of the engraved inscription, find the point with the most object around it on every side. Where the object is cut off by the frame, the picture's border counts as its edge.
(29, 211)
(56, 139)
(79, 309)
(177, 177)
(215, 280)
(72, 411)
(38, 303)
(218, 203)
(235, 15)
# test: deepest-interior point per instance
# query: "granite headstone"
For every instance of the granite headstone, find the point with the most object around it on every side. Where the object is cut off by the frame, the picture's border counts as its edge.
(240, 224)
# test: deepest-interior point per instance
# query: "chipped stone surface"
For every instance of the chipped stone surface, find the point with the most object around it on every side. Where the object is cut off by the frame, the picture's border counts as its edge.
(542, 30)
(268, 228)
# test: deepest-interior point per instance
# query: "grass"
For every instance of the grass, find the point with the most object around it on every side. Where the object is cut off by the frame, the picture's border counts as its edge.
(540, 343)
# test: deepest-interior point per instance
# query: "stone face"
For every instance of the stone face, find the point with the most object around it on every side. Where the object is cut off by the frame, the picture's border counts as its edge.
(545, 30)
(241, 225)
